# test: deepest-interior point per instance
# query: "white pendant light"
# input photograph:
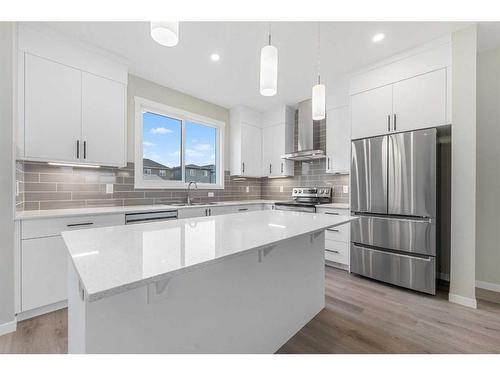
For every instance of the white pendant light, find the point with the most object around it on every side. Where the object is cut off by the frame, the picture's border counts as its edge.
(319, 91)
(165, 33)
(269, 69)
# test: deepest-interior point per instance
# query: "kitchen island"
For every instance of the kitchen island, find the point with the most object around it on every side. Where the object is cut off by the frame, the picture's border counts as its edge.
(237, 283)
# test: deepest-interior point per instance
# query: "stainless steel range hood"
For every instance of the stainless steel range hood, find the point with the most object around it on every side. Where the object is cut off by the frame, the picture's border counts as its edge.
(306, 128)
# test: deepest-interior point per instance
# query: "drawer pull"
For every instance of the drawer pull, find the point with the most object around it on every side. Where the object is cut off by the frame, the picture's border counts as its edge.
(242, 209)
(331, 213)
(332, 230)
(78, 224)
(333, 251)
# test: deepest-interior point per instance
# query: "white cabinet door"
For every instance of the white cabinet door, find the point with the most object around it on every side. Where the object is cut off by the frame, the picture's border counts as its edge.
(371, 112)
(420, 102)
(103, 121)
(53, 110)
(267, 149)
(44, 270)
(251, 150)
(338, 140)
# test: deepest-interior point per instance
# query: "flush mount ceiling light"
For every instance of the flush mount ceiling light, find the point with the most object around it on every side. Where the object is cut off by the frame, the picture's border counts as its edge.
(378, 37)
(269, 69)
(165, 33)
(215, 57)
(319, 90)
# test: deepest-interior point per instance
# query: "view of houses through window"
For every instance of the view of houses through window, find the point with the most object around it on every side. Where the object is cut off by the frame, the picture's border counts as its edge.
(171, 144)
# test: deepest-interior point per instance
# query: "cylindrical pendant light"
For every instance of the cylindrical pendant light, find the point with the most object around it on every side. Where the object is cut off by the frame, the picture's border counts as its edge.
(319, 91)
(318, 101)
(165, 33)
(269, 69)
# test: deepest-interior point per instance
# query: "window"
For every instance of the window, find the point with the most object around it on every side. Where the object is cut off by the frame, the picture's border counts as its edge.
(174, 147)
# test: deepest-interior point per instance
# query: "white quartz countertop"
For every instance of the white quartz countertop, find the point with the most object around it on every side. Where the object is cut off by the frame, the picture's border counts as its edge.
(66, 212)
(340, 206)
(111, 260)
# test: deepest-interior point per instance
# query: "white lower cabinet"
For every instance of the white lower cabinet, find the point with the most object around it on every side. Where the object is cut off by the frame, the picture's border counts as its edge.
(44, 270)
(42, 275)
(190, 212)
(337, 250)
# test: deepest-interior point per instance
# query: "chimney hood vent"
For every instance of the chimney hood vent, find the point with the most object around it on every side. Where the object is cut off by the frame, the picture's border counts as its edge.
(305, 150)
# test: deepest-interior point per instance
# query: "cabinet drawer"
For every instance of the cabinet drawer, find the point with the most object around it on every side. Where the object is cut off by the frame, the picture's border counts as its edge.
(44, 269)
(54, 226)
(336, 251)
(340, 233)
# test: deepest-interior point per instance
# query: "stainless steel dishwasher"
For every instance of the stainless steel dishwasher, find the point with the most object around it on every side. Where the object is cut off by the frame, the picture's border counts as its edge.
(145, 217)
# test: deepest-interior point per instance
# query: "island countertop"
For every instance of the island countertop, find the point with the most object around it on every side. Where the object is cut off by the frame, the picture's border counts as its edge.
(114, 259)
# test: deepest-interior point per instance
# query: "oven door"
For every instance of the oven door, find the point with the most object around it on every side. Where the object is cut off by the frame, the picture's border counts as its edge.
(292, 207)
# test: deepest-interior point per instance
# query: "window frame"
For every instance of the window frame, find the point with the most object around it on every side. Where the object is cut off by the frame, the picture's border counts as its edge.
(145, 105)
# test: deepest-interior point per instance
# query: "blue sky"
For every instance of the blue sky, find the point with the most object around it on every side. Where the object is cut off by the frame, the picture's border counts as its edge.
(161, 141)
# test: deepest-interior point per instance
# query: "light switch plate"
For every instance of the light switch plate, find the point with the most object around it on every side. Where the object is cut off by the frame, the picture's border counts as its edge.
(281, 189)
(345, 189)
(210, 194)
(248, 189)
(109, 188)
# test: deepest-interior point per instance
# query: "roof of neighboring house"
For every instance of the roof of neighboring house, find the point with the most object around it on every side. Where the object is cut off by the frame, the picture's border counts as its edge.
(204, 167)
(148, 163)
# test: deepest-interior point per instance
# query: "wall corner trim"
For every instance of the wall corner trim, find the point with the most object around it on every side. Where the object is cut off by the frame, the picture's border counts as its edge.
(8, 327)
(464, 301)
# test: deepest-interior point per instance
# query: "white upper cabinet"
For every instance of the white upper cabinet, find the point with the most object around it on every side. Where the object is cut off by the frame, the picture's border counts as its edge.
(420, 102)
(371, 112)
(338, 140)
(251, 150)
(52, 124)
(103, 120)
(277, 139)
(72, 101)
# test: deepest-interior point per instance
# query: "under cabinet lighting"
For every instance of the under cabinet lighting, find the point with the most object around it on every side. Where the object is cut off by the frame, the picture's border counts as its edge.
(277, 176)
(74, 165)
(378, 37)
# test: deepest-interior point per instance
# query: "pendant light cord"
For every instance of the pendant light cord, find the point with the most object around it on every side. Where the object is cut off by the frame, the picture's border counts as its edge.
(319, 52)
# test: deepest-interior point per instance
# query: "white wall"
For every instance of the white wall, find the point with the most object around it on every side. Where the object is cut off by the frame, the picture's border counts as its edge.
(463, 173)
(488, 169)
(152, 91)
(7, 70)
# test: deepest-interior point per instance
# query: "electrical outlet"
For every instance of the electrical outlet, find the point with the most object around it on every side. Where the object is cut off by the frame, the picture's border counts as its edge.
(281, 189)
(210, 194)
(109, 188)
(248, 189)
(345, 189)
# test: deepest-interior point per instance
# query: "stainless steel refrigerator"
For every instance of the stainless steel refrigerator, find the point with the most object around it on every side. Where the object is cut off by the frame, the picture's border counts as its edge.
(393, 191)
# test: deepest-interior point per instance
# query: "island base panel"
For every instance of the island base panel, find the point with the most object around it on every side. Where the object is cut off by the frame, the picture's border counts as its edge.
(250, 303)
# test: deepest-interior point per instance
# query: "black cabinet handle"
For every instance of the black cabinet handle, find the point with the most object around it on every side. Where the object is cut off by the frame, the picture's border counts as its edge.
(281, 167)
(78, 224)
(388, 123)
(394, 121)
(331, 213)
(242, 209)
(270, 168)
(85, 149)
(243, 167)
(332, 230)
(78, 149)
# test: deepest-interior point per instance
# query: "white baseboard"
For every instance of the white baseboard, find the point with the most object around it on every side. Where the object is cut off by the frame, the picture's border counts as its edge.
(41, 310)
(488, 286)
(464, 301)
(8, 327)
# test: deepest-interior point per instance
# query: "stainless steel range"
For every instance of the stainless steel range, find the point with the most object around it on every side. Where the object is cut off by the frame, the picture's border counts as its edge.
(305, 199)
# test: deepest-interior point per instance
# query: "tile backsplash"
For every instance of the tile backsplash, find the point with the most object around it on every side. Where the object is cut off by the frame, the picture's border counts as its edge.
(43, 186)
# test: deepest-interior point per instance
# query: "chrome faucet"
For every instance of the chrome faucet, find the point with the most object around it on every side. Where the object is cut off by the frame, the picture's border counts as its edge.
(189, 188)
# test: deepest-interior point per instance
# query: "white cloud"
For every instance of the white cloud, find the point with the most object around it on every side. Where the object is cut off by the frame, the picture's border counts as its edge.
(148, 144)
(160, 130)
(202, 147)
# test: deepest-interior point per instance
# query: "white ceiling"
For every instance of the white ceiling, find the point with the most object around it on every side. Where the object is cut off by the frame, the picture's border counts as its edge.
(234, 80)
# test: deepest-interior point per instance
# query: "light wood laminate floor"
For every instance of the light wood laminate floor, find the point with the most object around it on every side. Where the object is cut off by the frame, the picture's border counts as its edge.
(361, 316)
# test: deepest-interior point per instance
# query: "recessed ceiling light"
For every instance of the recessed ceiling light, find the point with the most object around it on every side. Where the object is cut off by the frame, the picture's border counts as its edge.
(378, 37)
(215, 57)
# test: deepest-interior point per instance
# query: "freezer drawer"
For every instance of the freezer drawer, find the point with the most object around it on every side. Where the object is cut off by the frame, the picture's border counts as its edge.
(412, 173)
(403, 270)
(411, 236)
(369, 175)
